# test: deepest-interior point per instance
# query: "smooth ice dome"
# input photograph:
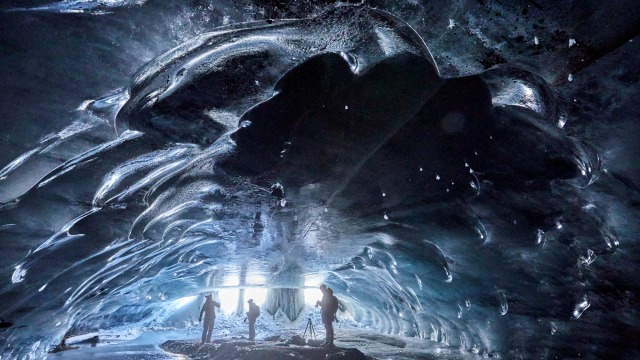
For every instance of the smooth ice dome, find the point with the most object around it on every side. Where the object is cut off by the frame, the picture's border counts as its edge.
(466, 213)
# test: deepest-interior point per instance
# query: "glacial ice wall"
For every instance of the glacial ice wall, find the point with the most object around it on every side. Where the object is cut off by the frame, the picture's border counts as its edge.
(453, 209)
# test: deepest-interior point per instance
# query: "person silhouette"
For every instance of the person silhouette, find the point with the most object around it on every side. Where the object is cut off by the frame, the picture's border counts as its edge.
(328, 308)
(252, 315)
(208, 309)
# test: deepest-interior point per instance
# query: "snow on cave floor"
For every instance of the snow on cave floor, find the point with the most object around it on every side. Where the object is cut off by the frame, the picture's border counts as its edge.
(132, 344)
(147, 347)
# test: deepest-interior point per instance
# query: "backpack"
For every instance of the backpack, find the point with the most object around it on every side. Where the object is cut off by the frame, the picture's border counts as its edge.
(333, 305)
(254, 310)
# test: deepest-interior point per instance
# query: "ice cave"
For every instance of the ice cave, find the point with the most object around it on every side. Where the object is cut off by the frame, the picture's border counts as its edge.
(463, 175)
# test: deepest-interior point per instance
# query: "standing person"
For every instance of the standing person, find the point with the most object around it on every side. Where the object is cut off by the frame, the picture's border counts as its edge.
(252, 315)
(332, 309)
(328, 308)
(208, 309)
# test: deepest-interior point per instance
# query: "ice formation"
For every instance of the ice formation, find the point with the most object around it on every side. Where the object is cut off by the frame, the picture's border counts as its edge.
(251, 159)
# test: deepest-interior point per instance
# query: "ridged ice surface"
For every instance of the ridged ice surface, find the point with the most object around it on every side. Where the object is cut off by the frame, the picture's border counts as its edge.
(284, 154)
(98, 7)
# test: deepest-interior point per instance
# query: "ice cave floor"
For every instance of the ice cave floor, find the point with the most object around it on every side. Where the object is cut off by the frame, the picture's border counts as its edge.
(351, 344)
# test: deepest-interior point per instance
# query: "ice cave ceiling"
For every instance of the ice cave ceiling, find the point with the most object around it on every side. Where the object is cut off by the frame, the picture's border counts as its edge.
(460, 171)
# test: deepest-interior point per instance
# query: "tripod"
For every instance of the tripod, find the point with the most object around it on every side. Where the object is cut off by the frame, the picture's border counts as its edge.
(310, 328)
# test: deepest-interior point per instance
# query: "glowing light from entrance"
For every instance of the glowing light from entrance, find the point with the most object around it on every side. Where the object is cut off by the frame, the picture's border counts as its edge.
(180, 303)
(311, 295)
(258, 294)
(229, 297)
(311, 289)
